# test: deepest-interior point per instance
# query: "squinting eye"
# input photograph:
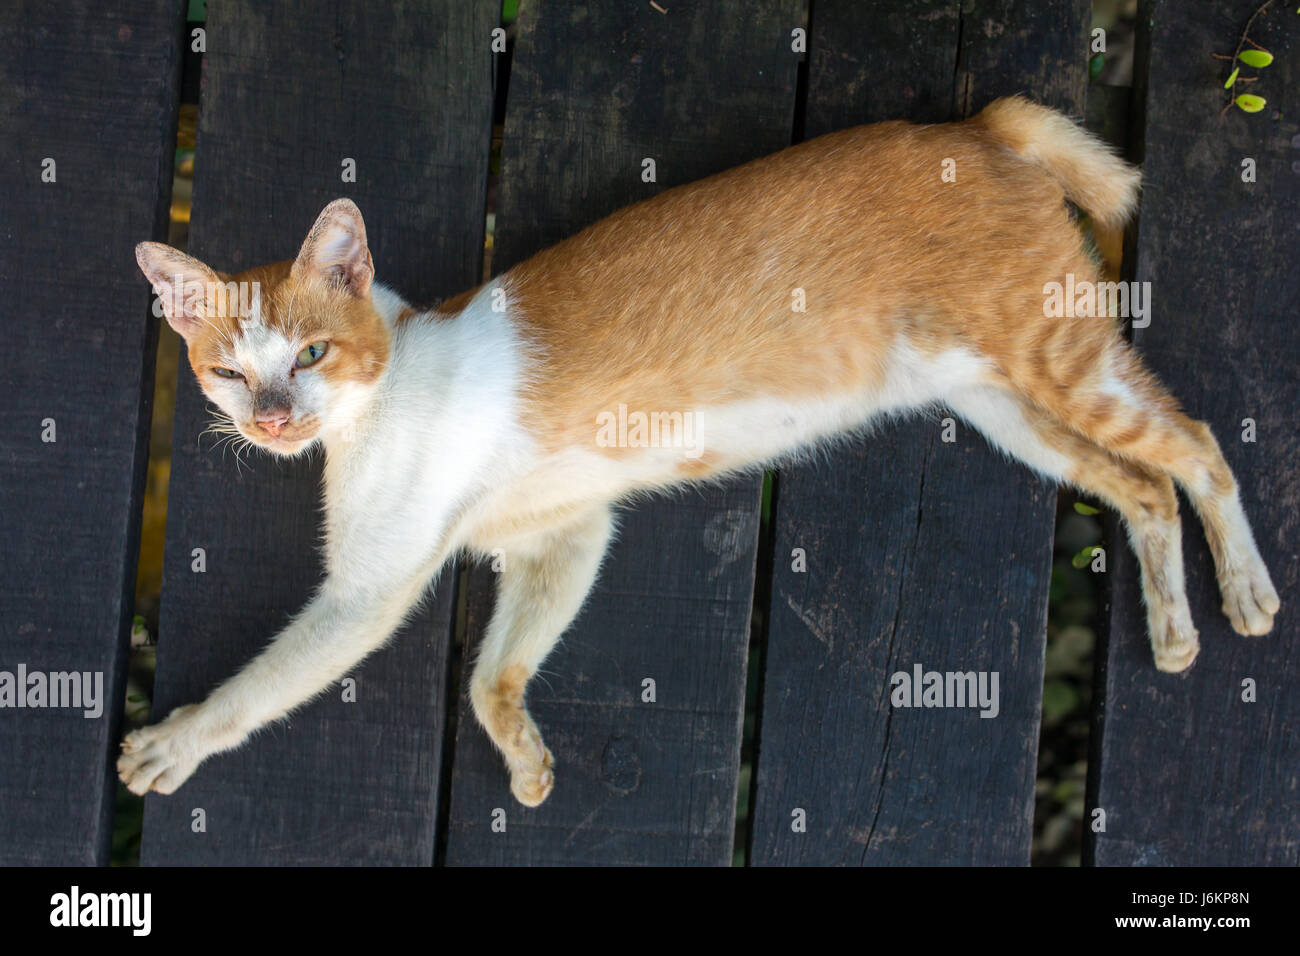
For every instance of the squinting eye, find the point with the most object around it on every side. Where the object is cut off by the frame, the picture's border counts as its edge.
(311, 354)
(227, 373)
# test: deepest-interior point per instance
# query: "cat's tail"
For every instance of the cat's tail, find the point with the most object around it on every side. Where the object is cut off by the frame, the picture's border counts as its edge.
(1092, 176)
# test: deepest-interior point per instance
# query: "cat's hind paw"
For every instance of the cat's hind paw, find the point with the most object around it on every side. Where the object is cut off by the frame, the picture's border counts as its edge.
(1249, 600)
(1174, 641)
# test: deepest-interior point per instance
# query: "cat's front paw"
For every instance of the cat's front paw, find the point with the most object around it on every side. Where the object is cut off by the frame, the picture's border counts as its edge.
(163, 756)
(533, 782)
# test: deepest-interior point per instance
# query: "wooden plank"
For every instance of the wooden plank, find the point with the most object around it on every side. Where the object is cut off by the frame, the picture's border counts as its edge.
(1187, 772)
(95, 91)
(918, 551)
(290, 91)
(592, 93)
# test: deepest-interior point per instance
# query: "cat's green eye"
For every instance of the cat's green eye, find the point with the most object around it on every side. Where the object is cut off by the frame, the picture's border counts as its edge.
(311, 354)
(227, 373)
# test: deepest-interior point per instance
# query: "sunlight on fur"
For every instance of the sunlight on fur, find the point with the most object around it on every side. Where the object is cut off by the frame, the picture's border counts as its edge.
(718, 327)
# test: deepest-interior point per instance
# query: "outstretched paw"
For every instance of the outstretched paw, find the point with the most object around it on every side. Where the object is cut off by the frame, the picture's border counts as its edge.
(1174, 641)
(499, 704)
(1249, 600)
(532, 782)
(161, 757)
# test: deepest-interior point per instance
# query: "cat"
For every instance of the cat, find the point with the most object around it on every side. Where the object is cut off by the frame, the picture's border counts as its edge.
(922, 254)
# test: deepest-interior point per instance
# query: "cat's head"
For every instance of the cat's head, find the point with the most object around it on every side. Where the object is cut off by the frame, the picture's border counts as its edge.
(288, 351)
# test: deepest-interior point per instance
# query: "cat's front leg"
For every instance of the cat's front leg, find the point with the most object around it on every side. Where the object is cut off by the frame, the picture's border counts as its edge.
(163, 756)
(546, 578)
(336, 630)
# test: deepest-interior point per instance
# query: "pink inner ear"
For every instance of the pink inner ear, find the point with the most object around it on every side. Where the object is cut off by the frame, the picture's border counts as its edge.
(340, 252)
(179, 282)
(341, 255)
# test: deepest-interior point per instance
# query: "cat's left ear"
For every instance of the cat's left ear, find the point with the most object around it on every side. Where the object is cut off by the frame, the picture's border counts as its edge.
(183, 284)
(336, 249)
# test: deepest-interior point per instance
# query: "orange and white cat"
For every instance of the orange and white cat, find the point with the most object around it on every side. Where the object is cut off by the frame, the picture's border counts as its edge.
(484, 424)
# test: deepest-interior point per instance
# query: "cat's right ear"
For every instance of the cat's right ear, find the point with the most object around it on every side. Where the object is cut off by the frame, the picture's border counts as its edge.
(181, 282)
(336, 249)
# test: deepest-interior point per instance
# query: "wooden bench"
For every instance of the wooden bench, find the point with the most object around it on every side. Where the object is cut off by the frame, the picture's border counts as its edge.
(917, 550)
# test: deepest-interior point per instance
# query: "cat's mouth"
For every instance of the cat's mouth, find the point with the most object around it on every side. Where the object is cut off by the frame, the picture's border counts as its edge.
(288, 439)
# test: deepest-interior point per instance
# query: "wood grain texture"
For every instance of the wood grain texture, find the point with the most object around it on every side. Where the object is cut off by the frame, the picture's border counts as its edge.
(290, 90)
(1189, 773)
(918, 551)
(95, 91)
(595, 89)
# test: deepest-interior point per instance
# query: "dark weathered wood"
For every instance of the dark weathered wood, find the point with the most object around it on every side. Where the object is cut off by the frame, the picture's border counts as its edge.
(918, 551)
(1187, 772)
(594, 91)
(290, 90)
(95, 91)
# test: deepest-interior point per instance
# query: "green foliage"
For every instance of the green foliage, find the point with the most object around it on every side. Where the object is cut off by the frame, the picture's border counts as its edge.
(1073, 610)
(1059, 700)
(127, 823)
(1084, 557)
(1255, 57)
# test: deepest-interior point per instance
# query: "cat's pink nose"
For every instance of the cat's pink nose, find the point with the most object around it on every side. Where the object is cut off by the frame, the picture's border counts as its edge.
(272, 422)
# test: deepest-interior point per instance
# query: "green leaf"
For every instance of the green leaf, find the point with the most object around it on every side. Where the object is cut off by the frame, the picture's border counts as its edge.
(1059, 698)
(1256, 58)
(1232, 77)
(1083, 509)
(1095, 65)
(1064, 790)
(1250, 103)
(1084, 557)
(135, 698)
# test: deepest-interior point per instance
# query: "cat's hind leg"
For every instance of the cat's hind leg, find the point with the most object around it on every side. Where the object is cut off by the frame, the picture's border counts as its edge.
(545, 578)
(1144, 498)
(1120, 406)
